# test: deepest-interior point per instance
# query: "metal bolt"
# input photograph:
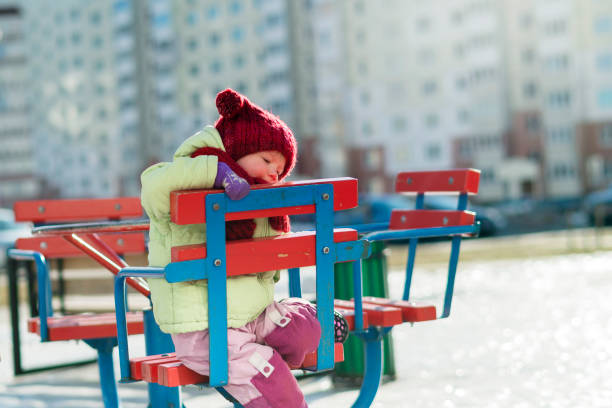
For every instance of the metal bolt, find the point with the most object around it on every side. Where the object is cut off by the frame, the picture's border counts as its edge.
(325, 196)
(445, 220)
(216, 206)
(403, 218)
(117, 206)
(326, 250)
(43, 245)
(41, 208)
(409, 180)
(120, 242)
(217, 262)
(451, 180)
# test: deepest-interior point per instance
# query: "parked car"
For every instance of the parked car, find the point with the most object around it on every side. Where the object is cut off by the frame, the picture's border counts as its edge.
(9, 232)
(377, 209)
(598, 206)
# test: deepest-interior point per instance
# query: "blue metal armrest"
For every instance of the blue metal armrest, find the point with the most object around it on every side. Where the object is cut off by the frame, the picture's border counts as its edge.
(45, 309)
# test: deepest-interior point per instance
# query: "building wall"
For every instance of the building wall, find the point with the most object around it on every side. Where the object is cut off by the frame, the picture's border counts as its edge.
(17, 180)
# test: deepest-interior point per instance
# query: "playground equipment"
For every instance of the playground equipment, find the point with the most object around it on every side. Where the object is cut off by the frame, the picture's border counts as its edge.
(370, 318)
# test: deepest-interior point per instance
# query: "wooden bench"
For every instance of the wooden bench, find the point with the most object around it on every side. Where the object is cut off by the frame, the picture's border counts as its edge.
(417, 223)
(97, 330)
(289, 251)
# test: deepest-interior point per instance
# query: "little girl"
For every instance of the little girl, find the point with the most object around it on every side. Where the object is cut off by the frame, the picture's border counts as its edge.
(247, 145)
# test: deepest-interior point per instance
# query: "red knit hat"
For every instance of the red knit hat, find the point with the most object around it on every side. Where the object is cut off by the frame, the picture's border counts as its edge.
(246, 128)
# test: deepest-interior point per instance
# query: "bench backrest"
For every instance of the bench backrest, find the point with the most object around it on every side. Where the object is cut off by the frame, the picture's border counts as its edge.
(79, 210)
(186, 207)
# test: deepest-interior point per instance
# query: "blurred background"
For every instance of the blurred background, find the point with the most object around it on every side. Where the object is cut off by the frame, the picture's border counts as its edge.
(92, 92)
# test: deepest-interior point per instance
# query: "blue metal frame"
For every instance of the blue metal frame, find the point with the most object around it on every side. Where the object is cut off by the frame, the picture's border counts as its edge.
(213, 268)
(44, 286)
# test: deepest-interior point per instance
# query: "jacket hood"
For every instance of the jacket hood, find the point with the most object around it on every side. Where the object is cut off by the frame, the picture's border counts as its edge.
(207, 137)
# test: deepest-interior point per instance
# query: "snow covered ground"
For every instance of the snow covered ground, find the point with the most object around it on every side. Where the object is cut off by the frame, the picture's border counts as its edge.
(522, 333)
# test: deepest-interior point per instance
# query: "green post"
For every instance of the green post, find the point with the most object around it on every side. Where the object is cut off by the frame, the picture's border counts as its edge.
(374, 272)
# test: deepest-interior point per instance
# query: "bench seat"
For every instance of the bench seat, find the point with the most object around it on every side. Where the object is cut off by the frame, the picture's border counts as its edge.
(167, 370)
(86, 326)
(387, 312)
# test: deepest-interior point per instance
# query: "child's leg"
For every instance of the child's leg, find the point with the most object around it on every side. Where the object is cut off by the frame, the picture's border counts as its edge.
(291, 328)
(258, 376)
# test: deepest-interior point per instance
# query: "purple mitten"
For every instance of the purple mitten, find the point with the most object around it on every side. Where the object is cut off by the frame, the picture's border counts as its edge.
(236, 187)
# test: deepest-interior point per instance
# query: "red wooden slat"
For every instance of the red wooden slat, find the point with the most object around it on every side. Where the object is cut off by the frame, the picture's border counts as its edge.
(136, 363)
(86, 326)
(173, 373)
(349, 315)
(447, 181)
(266, 254)
(52, 246)
(377, 315)
(150, 368)
(187, 206)
(409, 219)
(77, 210)
(411, 311)
(310, 361)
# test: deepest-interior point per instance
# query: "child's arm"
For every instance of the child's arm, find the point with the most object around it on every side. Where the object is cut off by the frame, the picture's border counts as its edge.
(159, 180)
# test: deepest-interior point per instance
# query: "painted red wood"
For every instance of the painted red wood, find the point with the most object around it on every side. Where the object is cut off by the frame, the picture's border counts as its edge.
(411, 311)
(150, 368)
(77, 210)
(377, 315)
(187, 206)
(349, 315)
(410, 219)
(172, 373)
(136, 363)
(86, 326)
(53, 246)
(266, 254)
(310, 361)
(441, 181)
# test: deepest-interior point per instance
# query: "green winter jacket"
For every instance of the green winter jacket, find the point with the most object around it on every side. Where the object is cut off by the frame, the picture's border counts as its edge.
(182, 307)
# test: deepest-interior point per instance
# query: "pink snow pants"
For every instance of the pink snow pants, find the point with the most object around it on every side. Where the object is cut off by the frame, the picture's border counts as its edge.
(288, 329)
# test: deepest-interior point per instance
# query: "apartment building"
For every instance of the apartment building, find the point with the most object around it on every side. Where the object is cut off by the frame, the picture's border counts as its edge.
(17, 179)
(84, 97)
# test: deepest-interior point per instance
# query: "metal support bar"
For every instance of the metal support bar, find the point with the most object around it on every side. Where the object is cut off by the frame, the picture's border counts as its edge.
(295, 285)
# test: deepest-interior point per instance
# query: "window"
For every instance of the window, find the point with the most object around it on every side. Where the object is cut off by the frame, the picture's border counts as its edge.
(192, 44)
(399, 124)
(212, 13)
(559, 99)
(192, 18)
(215, 67)
(605, 135)
(423, 24)
(194, 70)
(214, 39)
(603, 25)
(195, 100)
(366, 129)
(532, 124)
(429, 87)
(604, 98)
(528, 55)
(604, 62)
(432, 151)
(238, 34)
(431, 120)
(530, 90)
(235, 7)
(238, 61)
(95, 17)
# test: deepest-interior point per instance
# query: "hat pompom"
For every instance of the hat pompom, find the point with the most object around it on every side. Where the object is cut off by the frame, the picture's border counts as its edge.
(229, 103)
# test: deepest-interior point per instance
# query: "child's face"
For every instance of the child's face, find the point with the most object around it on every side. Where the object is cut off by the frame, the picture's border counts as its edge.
(266, 165)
